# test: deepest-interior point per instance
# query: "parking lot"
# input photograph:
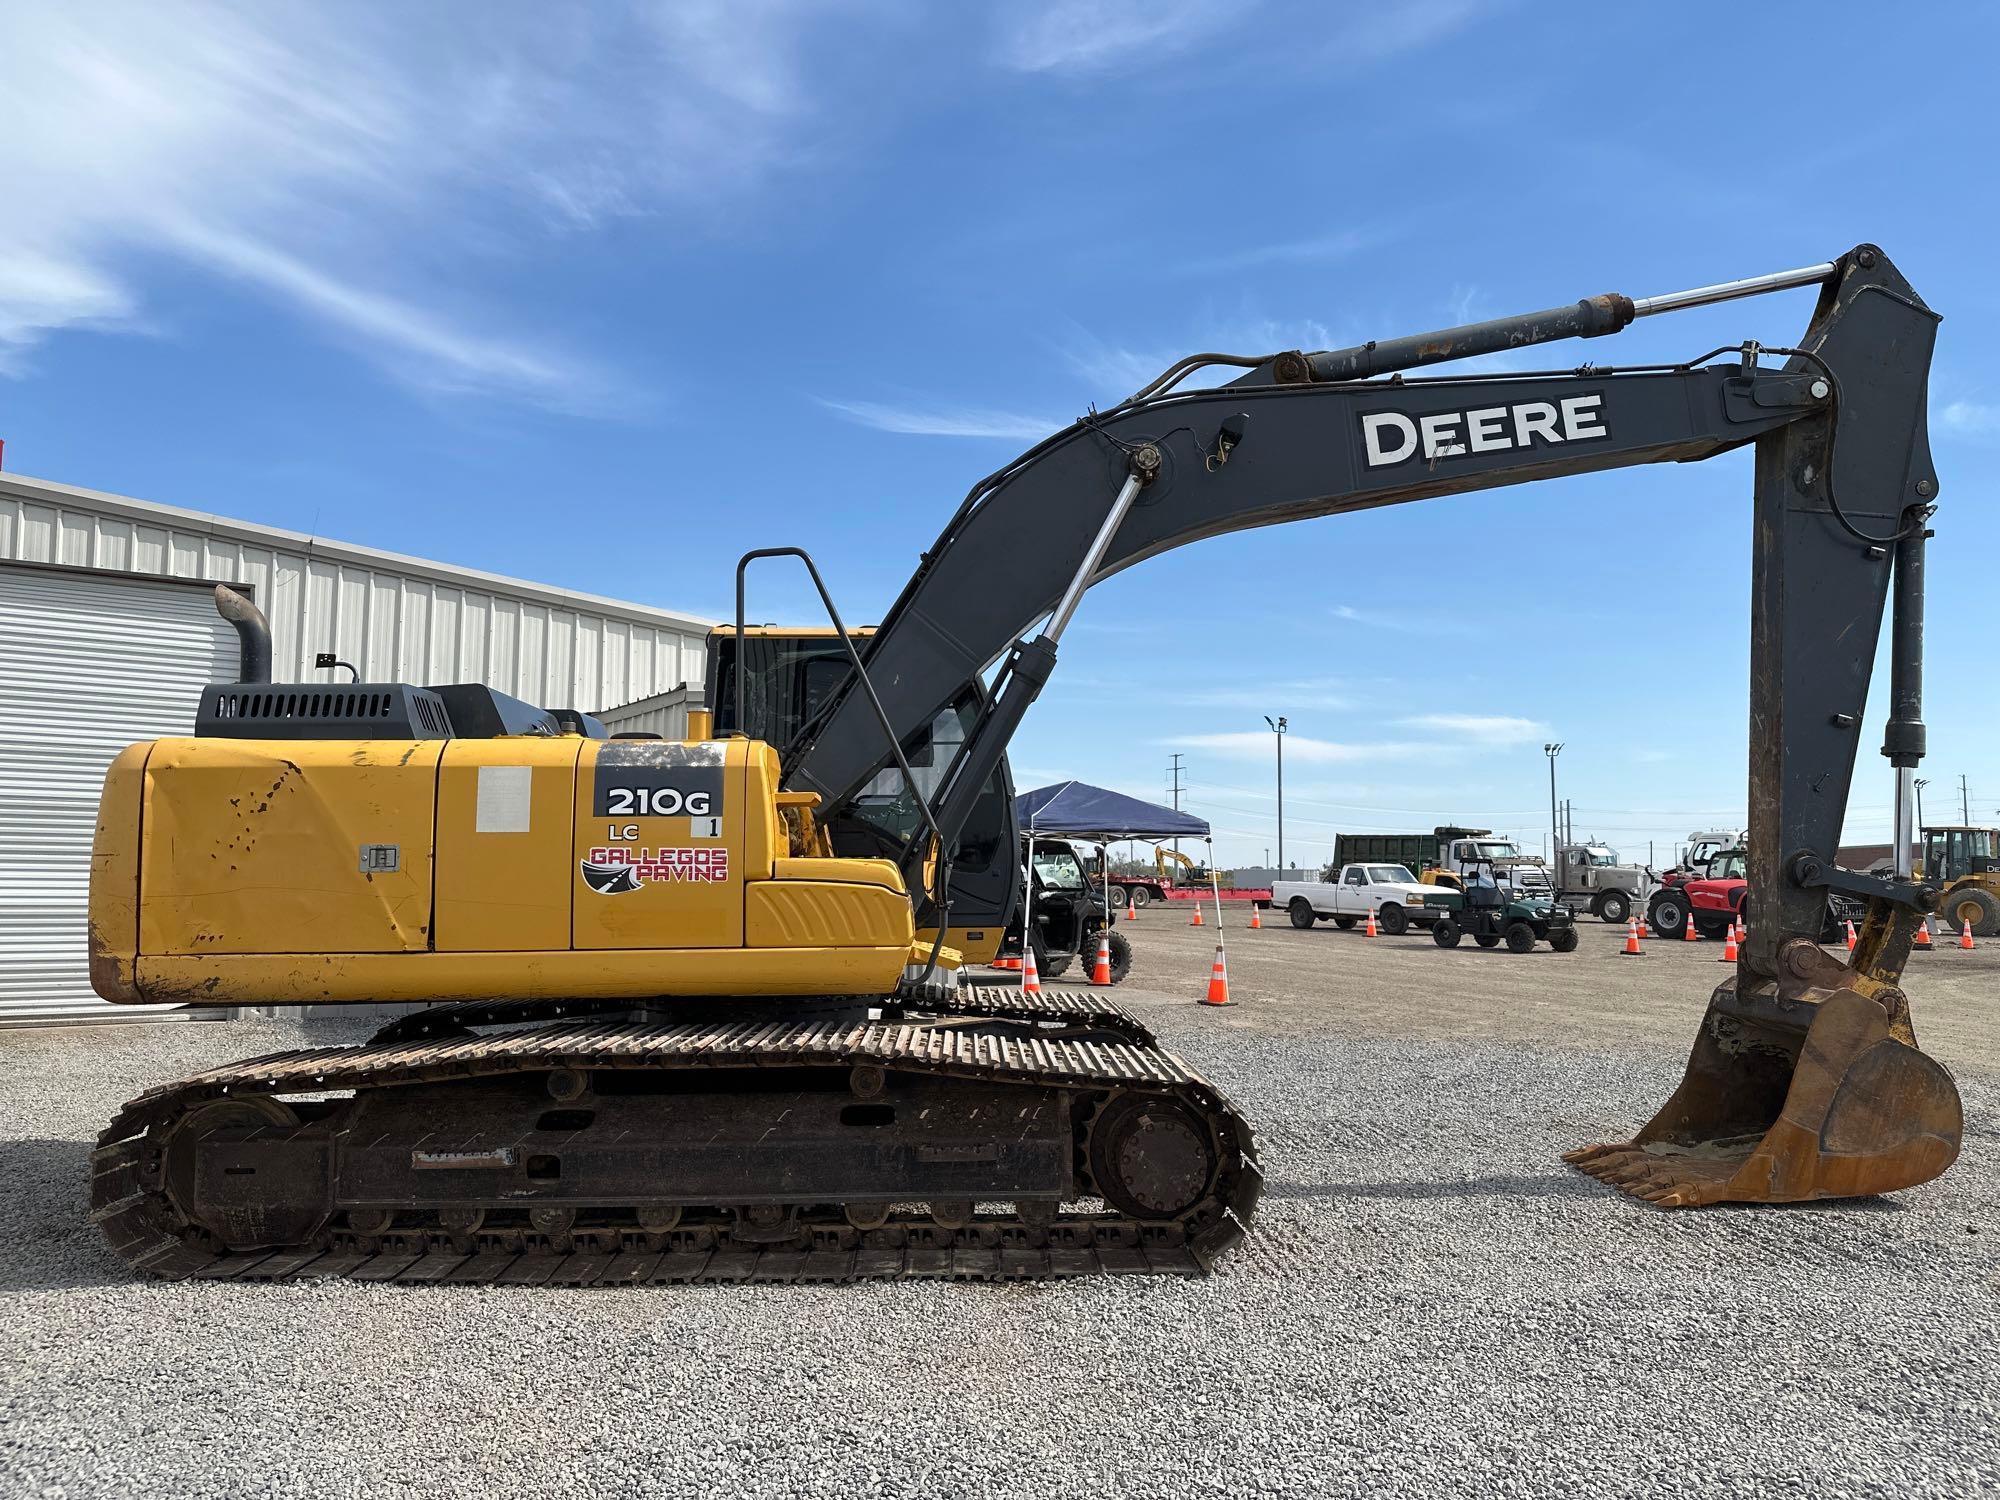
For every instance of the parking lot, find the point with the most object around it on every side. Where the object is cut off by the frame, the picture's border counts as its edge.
(1429, 1299)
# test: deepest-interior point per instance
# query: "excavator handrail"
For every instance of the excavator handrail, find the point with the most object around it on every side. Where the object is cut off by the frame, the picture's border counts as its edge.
(941, 889)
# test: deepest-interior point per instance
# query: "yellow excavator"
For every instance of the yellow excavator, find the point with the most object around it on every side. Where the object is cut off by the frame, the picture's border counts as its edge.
(694, 1009)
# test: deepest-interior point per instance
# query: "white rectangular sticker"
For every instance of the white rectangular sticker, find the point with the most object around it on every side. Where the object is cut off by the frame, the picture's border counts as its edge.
(704, 828)
(503, 799)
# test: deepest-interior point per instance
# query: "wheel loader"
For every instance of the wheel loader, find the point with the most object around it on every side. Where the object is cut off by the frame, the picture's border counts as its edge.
(1966, 863)
(693, 1009)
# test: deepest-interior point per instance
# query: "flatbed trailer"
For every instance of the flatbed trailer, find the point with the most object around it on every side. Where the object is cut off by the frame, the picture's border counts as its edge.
(1126, 889)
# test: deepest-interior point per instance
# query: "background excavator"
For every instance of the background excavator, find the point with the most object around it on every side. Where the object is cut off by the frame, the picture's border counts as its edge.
(705, 1018)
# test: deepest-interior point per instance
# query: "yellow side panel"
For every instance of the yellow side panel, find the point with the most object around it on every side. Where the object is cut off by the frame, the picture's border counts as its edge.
(288, 846)
(387, 978)
(505, 828)
(662, 834)
(825, 914)
(764, 836)
(882, 872)
(114, 877)
(975, 945)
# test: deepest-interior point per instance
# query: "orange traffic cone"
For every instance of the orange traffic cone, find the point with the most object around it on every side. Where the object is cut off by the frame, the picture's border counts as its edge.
(1641, 920)
(1688, 933)
(1100, 972)
(1965, 936)
(1196, 922)
(1850, 935)
(1370, 928)
(1256, 917)
(1729, 946)
(1631, 948)
(1131, 910)
(1742, 932)
(1923, 937)
(1009, 964)
(1031, 977)
(1218, 981)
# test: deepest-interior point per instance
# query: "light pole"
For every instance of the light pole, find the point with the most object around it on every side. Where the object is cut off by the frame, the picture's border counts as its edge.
(1552, 750)
(1278, 729)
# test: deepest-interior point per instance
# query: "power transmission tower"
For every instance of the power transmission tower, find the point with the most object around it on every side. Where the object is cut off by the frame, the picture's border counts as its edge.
(1176, 769)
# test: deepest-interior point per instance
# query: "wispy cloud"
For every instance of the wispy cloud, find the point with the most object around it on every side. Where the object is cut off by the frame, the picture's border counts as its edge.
(1303, 748)
(1372, 33)
(1970, 418)
(1289, 696)
(451, 359)
(1405, 622)
(1310, 251)
(354, 166)
(1489, 729)
(1083, 36)
(940, 421)
(1088, 36)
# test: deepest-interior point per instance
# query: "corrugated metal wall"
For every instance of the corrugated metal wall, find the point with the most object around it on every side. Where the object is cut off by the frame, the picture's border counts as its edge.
(88, 665)
(398, 619)
(664, 714)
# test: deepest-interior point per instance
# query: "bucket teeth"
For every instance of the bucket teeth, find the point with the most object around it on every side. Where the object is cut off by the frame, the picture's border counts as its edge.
(1656, 1177)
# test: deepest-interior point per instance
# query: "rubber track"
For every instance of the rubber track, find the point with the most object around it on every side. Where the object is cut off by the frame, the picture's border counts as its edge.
(141, 1224)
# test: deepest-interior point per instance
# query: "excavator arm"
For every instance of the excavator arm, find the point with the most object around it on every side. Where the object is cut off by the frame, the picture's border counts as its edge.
(1843, 480)
(1843, 488)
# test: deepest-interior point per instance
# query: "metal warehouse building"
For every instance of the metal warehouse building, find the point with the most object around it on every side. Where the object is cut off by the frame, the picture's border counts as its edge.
(108, 632)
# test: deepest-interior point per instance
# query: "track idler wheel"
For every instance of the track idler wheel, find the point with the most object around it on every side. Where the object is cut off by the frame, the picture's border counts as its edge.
(1152, 1158)
(1784, 1101)
(222, 1173)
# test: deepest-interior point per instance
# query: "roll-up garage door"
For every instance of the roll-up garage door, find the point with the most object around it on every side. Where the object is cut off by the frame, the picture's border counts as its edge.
(89, 663)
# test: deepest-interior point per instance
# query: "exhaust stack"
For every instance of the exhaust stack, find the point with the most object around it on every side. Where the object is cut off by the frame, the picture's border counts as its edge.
(253, 634)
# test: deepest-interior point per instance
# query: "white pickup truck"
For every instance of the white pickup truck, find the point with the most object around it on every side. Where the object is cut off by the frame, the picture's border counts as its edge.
(1396, 895)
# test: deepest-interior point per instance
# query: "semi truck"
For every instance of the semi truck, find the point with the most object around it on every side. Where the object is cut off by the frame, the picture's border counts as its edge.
(1589, 876)
(1442, 856)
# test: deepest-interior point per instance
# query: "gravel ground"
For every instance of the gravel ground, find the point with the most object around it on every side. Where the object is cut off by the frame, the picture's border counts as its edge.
(1430, 1301)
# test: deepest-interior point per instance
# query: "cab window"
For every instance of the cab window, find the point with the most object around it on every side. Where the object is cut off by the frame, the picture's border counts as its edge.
(1057, 868)
(1357, 876)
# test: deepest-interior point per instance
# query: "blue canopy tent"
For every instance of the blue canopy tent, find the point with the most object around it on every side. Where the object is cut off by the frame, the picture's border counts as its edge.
(1079, 810)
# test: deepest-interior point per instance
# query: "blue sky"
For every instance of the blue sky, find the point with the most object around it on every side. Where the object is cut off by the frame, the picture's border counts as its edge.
(606, 297)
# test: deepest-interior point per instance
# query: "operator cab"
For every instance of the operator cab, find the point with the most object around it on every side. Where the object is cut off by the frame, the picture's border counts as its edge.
(1731, 864)
(1953, 853)
(792, 677)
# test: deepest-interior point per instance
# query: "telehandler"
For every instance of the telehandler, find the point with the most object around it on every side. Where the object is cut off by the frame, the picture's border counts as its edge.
(705, 1021)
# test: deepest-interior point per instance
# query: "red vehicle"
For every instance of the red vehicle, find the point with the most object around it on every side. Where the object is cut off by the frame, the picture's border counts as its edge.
(1715, 900)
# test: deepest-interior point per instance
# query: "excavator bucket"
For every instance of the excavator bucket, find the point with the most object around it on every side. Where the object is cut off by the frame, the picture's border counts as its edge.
(1820, 1096)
